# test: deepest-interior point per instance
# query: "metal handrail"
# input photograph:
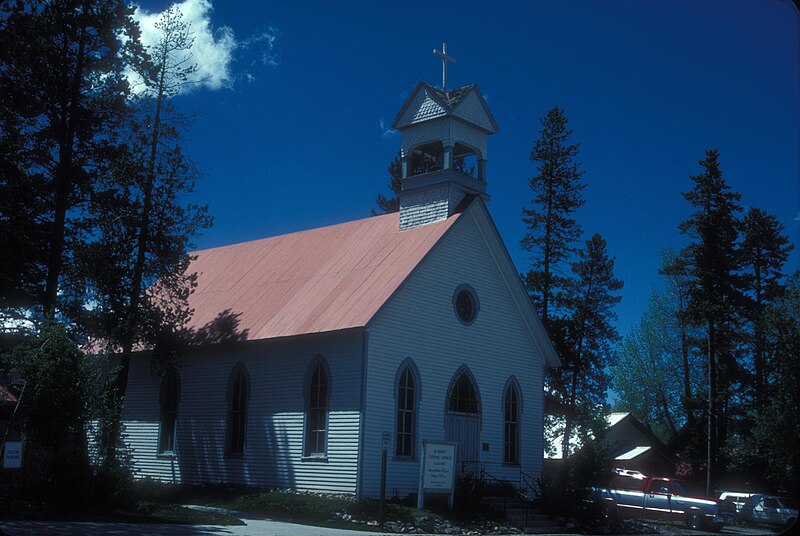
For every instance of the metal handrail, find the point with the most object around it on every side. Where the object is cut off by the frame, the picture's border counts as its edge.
(508, 483)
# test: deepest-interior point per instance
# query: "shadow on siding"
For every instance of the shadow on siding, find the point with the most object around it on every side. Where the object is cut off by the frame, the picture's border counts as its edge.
(266, 463)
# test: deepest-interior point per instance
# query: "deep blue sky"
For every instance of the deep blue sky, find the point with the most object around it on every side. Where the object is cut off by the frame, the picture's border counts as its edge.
(647, 88)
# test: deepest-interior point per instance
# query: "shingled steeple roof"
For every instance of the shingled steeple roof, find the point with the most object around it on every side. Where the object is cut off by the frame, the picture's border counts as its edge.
(427, 102)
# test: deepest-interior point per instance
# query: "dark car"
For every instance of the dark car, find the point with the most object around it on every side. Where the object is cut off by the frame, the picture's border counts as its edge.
(768, 510)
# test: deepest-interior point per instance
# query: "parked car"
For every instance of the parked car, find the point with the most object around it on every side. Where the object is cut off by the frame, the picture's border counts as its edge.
(767, 509)
(738, 498)
(632, 493)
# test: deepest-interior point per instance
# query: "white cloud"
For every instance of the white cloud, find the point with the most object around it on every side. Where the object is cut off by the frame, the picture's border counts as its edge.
(386, 132)
(263, 45)
(213, 49)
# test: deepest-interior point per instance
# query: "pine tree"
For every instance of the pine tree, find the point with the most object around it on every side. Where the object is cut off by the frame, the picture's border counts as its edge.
(552, 229)
(765, 250)
(140, 280)
(713, 263)
(392, 203)
(61, 77)
(591, 335)
(678, 286)
(776, 431)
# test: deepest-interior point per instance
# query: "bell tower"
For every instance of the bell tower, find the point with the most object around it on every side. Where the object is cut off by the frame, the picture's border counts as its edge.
(444, 149)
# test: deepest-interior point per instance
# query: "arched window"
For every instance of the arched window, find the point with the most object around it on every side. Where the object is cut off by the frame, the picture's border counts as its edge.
(406, 420)
(317, 392)
(511, 424)
(169, 396)
(463, 398)
(238, 394)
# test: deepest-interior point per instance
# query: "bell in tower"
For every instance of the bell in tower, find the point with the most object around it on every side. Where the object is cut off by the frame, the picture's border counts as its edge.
(444, 149)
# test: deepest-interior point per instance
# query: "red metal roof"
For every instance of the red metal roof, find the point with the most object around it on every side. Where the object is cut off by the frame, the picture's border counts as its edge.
(314, 281)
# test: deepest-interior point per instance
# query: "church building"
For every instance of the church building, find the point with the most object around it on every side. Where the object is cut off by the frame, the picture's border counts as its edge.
(323, 347)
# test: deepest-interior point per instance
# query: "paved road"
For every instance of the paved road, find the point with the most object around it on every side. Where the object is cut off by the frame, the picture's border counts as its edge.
(668, 529)
(254, 527)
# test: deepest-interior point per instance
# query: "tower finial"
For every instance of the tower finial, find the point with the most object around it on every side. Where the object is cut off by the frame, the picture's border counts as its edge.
(445, 60)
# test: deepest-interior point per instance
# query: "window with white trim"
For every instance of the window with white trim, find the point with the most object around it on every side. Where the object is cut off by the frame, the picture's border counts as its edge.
(317, 412)
(238, 393)
(405, 435)
(511, 425)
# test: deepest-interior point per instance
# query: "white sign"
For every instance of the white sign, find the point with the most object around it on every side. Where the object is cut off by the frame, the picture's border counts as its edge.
(12, 455)
(439, 464)
(437, 471)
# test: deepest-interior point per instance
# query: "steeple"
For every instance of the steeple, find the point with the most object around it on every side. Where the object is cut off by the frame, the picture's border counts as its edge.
(444, 149)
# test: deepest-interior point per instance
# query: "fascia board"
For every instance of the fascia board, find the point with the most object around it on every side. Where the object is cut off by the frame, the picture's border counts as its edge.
(520, 296)
(424, 258)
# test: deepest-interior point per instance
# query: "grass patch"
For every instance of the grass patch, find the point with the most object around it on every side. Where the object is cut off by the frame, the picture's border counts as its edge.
(170, 513)
(139, 512)
(289, 506)
(330, 511)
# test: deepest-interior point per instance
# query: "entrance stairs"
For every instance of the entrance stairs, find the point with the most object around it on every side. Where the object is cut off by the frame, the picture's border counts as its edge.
(519, 512)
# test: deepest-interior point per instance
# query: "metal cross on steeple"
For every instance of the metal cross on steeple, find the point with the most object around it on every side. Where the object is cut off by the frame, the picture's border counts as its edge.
(445, 60)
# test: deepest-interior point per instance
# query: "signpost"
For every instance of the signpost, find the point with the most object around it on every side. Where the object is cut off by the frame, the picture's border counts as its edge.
(437, 472)
(385, 441)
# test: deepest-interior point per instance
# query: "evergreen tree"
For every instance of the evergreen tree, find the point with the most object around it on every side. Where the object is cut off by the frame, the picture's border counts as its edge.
(390, 204)
(765, 250)
(583, 377)
(552, 229)
(140, 282)
(63, 90)
(713, 263)
(776, 431)
(678, 285)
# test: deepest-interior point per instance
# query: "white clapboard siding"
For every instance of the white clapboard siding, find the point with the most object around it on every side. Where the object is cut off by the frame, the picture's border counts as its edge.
(420, 323)
(273, 454)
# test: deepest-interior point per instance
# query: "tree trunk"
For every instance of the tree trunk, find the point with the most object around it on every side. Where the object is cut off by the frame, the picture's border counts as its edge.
(712, 411)
(63, 176)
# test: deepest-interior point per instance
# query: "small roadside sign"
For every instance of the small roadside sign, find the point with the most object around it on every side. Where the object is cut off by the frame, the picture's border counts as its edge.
(12, 455)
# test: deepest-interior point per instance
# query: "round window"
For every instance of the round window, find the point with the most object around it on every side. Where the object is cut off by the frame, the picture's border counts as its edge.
(466, 304)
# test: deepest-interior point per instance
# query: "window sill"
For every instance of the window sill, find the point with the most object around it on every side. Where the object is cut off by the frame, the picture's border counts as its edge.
(312, 459)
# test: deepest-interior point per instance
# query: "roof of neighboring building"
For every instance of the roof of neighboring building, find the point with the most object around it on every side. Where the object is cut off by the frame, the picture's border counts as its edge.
(554, 450)
(633, 453)
(321, 280)
(6, 396)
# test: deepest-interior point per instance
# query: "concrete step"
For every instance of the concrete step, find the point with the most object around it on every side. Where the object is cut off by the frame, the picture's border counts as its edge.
(515, 511)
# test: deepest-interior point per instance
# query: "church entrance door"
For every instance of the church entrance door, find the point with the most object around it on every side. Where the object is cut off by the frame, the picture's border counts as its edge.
(462, 422)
